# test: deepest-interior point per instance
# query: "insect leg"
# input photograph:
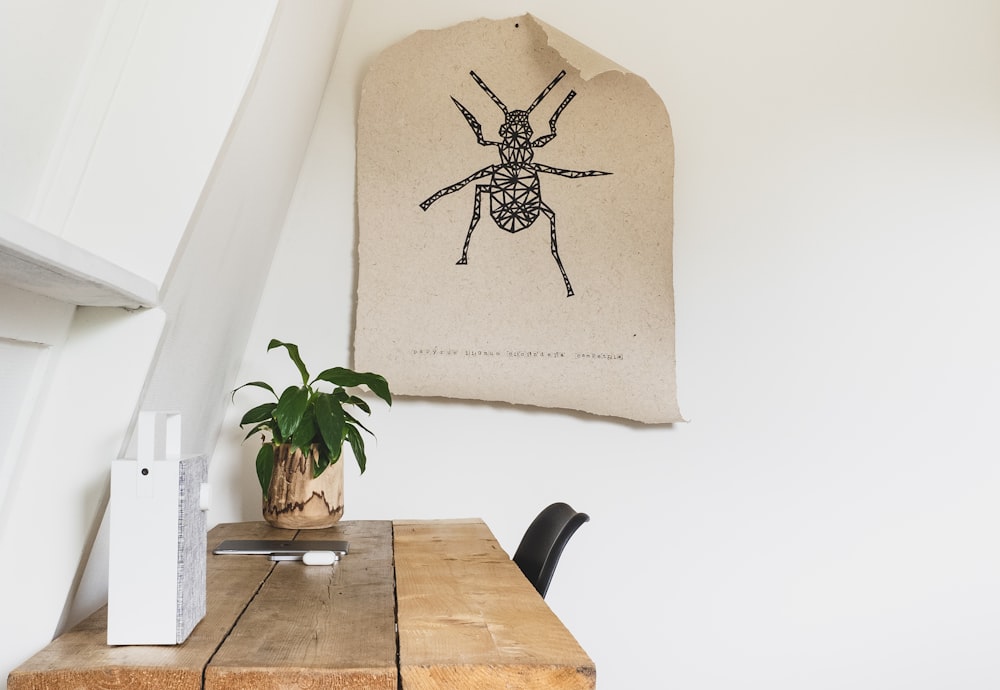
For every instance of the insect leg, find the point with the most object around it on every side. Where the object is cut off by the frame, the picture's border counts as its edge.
(426, 203)
(480, 190)
(555, 249)
(567, 173)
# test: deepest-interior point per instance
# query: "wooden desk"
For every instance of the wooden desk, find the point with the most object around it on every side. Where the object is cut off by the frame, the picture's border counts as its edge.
(466, 618)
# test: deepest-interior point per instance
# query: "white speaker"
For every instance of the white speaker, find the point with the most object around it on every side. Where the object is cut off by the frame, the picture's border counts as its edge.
(156, 576)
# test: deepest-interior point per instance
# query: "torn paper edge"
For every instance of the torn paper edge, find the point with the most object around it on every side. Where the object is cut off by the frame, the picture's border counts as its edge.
(583, 58)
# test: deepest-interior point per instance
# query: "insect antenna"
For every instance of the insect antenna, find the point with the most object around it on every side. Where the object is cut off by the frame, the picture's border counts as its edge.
(489, 92)
(545, 92)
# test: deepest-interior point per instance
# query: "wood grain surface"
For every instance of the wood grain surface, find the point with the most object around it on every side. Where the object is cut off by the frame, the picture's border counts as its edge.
(318, 626)
(468, 618)
(81, 658)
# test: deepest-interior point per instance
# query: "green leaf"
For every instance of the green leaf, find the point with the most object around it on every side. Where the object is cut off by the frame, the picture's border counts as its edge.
(258, 414)
(330, 420)
(339, 376)
(322, 460)
(306, 433)
(260, 428)
(265, 466)
(358, 446)
(258, 384)
(359, 403)
(293, 353)
(354, 420)
(290, 409)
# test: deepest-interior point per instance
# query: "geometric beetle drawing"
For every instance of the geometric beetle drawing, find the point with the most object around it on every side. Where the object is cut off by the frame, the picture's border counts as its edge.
(514, 187)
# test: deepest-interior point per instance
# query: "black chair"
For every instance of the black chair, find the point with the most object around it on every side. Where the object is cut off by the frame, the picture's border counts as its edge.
(543, 542)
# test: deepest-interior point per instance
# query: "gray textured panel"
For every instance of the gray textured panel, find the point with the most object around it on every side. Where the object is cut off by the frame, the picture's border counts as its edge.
(192, 545)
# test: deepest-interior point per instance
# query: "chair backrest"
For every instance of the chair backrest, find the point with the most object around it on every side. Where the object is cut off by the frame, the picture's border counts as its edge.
(542, 544)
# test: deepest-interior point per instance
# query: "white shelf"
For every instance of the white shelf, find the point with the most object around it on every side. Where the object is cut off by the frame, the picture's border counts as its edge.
(37, 261)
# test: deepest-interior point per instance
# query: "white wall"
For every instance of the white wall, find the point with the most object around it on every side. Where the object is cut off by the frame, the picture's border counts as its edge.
(56, 38)
(219, 271)
(184, 178)
(176, 96)
(828, 518)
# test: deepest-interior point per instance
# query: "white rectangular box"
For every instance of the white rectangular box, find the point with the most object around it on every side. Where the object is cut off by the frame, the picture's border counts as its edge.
(156, 578)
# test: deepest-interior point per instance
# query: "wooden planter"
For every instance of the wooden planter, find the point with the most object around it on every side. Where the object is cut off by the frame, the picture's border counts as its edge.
(297, 500)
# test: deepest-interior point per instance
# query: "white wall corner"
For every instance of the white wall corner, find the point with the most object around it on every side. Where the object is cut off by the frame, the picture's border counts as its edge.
(81, 422)
(212, 290)
(92, 96)
(155, 110)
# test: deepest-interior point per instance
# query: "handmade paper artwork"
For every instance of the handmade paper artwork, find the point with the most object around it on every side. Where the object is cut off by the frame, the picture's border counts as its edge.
(546, 170)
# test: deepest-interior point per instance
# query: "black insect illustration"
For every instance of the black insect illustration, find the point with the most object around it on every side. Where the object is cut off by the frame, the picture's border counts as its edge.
(514, 188)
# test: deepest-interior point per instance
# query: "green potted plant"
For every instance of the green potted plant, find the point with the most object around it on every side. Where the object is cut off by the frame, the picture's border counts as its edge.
(303, 431)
